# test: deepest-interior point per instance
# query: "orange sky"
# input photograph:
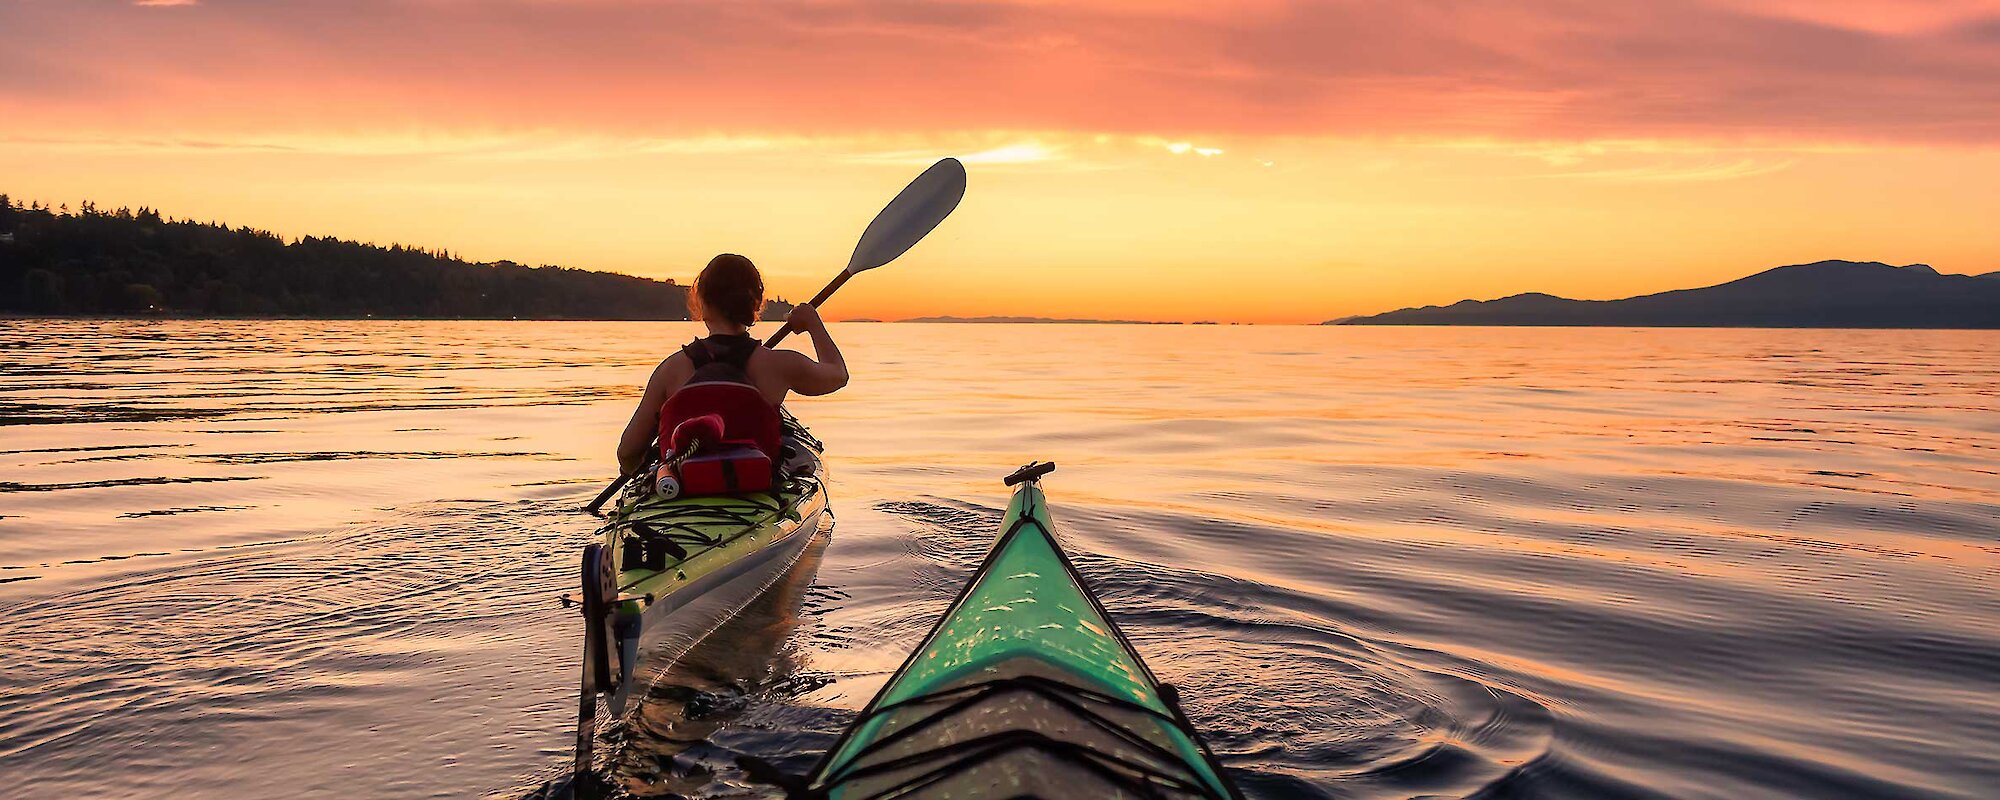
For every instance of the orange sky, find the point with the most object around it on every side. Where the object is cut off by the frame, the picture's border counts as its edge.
(1254, 161)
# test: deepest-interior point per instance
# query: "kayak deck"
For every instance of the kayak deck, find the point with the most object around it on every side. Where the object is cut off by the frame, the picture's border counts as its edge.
(697, 536)
(1025, 688)
(666, 572)
(662, 546)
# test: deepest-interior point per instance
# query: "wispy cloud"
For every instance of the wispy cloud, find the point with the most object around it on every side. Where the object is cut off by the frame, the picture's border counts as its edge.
(1715, 171)
(1182, 148)
(527, 146)
(1025, 153)
(565, 146)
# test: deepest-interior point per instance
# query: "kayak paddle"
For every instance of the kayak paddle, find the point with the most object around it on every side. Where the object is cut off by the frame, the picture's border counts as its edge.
(903, 222)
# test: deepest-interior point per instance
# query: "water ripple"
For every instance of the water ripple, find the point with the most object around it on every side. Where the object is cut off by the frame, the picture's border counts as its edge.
(1379, 563)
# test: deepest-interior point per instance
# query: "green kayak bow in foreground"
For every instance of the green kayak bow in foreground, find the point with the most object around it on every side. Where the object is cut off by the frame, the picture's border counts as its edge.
(1025, 689)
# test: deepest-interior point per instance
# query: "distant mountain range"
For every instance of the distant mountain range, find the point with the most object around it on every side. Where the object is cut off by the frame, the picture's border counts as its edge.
(1823, 294)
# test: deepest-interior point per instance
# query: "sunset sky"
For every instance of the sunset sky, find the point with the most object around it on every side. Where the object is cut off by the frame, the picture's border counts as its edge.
(1246, 161)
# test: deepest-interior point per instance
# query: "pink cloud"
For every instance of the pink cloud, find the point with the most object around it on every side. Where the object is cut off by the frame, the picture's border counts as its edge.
(1843, 70)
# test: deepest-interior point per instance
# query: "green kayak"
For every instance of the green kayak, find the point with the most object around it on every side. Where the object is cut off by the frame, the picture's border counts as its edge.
(1025, 689)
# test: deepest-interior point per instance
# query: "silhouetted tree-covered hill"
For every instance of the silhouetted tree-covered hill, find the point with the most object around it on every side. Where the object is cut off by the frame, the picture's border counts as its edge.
(91, 261)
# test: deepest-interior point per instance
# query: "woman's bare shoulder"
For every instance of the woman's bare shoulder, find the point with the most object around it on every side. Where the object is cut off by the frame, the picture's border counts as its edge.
(785, 360)
(675, 367)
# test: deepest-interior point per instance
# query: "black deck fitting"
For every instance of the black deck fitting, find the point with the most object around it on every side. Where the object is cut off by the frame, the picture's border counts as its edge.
(1033, 470)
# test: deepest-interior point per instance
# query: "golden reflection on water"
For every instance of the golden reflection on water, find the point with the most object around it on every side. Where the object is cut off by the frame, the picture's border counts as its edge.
(1380, 562)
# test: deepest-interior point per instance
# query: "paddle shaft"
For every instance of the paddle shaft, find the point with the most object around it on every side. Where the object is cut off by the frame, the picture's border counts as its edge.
(605, 495)
(816, 302)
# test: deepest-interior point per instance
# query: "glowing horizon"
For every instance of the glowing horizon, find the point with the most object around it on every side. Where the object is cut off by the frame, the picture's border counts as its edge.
(1265, 162)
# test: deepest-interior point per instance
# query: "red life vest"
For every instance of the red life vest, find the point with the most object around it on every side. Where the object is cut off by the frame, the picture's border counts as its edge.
(735, 433)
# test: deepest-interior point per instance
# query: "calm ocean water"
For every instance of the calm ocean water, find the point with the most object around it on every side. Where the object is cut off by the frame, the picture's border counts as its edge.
(319, 559)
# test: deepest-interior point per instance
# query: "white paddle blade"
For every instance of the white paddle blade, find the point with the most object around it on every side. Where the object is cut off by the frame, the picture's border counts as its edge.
(905, 221)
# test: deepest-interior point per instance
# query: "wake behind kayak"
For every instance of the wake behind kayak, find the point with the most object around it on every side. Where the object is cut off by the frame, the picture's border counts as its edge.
(1024, 689)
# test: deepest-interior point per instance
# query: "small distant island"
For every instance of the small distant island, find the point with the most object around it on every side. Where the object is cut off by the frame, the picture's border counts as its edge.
(1823, 294)
(95, 262)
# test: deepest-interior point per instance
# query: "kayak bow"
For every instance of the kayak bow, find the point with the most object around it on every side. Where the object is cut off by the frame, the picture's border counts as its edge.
(1024, 689)
(668, 572)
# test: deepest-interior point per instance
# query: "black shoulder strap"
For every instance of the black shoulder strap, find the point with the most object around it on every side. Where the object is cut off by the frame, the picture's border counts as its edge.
(697, 351)
(732, 350)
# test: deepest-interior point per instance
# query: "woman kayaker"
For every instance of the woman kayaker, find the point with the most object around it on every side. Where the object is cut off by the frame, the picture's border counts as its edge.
(727, 373)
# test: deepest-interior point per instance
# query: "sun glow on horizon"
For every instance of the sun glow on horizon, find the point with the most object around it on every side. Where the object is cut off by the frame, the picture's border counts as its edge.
(1283, 163)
